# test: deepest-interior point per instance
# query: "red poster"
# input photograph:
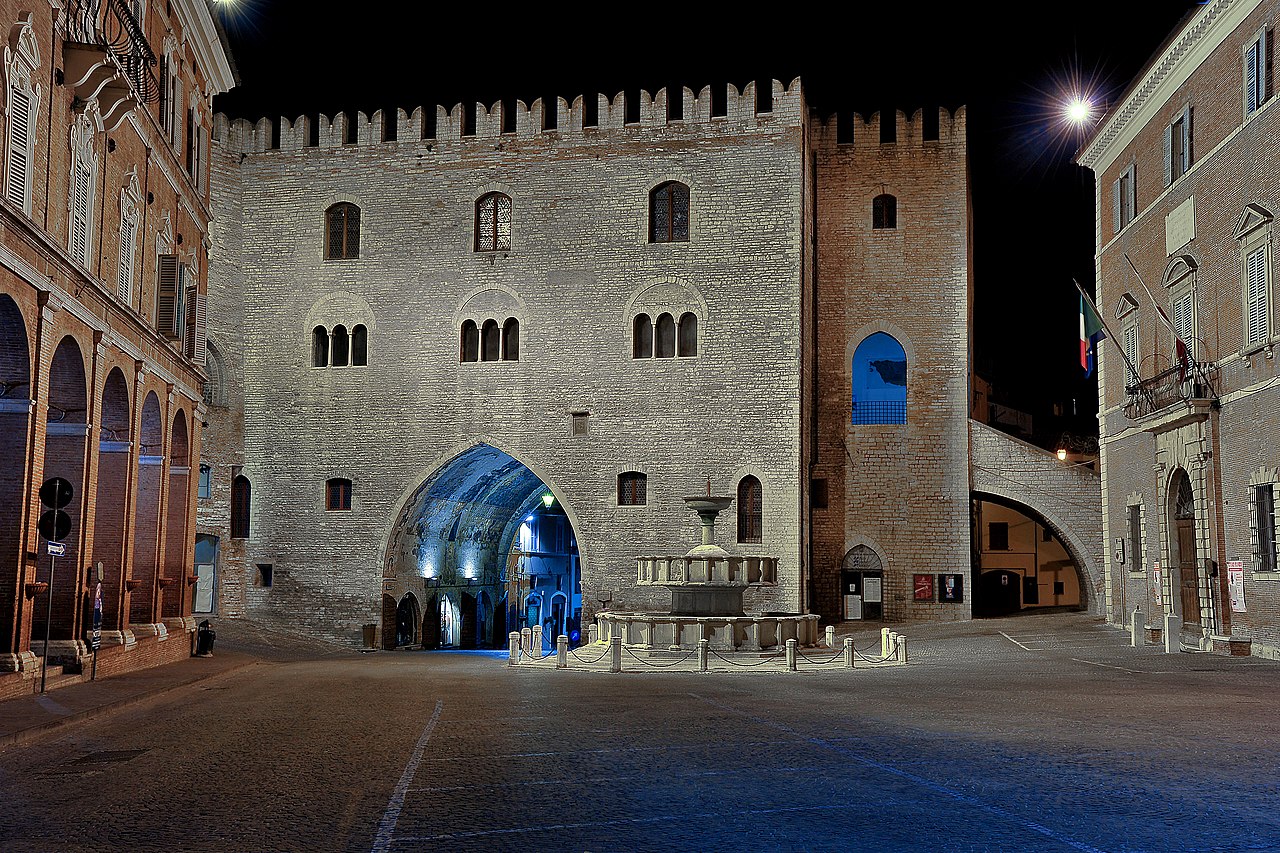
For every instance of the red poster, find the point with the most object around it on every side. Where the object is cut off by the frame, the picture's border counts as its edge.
(924, 587)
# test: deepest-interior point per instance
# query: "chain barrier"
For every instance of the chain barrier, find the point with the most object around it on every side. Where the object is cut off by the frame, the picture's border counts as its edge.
(593, 660)
(837, 656)
(770, 659)
(659, 665)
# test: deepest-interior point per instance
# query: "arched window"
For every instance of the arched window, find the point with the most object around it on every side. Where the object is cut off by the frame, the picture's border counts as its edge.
(884, 211)
(340, 348)
(687, 335)
(879, 381)
(359, 346)
(342, 231)
(511, 340)
(240, 496)
(750, 517)
(337, 494)
(470, 341)
(642, 337)
(631, 488)
(666, 336)
(669, 213)
(490, 341)
(493, 223)
(215, 386)
(320, 347)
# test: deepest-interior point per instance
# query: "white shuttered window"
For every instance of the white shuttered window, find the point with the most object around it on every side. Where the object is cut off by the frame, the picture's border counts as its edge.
(1184, 319)
(1129, 339)
(81, 210)
(1257, 320)
(19, 149)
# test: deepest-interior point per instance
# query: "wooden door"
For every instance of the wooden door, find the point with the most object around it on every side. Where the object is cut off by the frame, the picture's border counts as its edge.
(1188, 577)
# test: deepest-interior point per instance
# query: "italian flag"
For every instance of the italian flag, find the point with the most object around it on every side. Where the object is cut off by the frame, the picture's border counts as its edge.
(1090, 333)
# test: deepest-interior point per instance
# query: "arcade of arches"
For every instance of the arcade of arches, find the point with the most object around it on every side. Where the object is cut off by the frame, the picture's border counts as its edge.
(482, 548)
(122, 438)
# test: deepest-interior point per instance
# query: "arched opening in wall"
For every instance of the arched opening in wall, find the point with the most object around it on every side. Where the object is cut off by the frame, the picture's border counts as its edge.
(408, 618)
(862, 584)
(665, 336)
(359, 346)
(109, 517)
(173, 587)
(388, 621)
(687, 336)
(511, 340)
(241, 496)
(319, 347)
(490, 341)
(66, 433)
(1184, 575)
(879, 374)
(15, 422)
(1021, 563)
(642, 337)
(469, 349)
(148, 531)
(484, 528)
(339, 347)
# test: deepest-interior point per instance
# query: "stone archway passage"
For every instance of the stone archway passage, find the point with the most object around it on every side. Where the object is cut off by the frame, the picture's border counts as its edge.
(1021, 563)
(15, 421)
(484, 530)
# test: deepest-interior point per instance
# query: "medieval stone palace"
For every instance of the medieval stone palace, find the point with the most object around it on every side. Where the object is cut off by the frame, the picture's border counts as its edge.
(464, 364)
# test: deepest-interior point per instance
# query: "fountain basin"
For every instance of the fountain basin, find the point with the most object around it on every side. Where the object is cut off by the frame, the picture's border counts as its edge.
(726, 570)
(674, 632)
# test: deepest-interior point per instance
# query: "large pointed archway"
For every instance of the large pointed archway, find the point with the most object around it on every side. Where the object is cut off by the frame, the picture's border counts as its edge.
(481, 532)
(1022, 562)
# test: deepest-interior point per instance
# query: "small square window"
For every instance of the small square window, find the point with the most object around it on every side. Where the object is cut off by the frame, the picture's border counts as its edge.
(579, 423)
(337, 494)
(631, 488)
(998, 536)
(264, 575)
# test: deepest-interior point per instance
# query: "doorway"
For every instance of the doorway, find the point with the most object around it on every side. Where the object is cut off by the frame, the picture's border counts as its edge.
(1184, 540)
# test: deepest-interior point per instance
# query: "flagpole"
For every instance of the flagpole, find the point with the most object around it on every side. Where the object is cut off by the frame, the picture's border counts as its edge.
(1181, 351)
(1151, 296)
(1133, 368)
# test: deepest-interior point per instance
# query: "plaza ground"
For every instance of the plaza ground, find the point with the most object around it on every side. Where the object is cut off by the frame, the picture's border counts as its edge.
(1030, 733)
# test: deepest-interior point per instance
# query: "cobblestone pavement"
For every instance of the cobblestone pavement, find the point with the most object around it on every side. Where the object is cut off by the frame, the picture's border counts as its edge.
(1033, 734)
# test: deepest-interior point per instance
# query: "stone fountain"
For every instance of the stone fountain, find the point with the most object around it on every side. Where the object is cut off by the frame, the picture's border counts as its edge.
(706, 586)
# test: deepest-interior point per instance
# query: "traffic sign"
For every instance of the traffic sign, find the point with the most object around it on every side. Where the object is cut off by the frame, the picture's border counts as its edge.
(57, 549)
(54, 525)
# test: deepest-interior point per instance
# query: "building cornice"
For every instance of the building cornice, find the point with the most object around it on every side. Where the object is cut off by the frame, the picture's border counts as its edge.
(1198, 39)
(197, 21)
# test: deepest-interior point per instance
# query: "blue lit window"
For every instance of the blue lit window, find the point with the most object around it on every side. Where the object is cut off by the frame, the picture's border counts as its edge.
(880, 381)
(206, 482)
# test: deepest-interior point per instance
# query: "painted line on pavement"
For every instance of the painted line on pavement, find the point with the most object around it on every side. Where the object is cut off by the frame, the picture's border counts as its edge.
(912, 777)
(387, 826)
(1012, 640)
(613, 777)
(609, 750)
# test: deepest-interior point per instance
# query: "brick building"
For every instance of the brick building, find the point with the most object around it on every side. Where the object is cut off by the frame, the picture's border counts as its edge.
(103, 268)
(440, 333)
(1188, 182)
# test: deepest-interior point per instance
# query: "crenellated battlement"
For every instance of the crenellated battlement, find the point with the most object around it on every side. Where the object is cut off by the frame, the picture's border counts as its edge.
(579, 120)
(862, 133)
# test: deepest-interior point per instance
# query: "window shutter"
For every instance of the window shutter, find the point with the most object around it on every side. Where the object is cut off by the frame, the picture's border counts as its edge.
(1115, 206)
(80, 212)
(1256, 298)
(1168, 155)
(1251, 78)
(1188, 135)
(1267, 65)
(19, 147)
(1184, 320)
(1131, 197)
(167, 275)
(197, 324)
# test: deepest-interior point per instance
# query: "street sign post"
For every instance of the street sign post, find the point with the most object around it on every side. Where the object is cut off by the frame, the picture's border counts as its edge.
(56, 549)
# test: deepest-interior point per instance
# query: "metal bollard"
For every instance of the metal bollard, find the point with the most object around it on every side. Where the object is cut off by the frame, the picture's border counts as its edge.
(884, 642)
(1171, 631)
(513, 648)
(902, 648)
(848, 652)
(702, 655)
(1135, 628)
(615, 656)
(831, 636)
(593, 633)
(562, 651)
(791, 655)
(536, 648)
(526, 640)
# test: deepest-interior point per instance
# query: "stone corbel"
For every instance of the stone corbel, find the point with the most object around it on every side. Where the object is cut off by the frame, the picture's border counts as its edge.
(88, 69)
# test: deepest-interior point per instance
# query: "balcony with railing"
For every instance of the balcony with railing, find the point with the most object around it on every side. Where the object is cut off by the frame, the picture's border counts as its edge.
(107, 57)
(1191, 383)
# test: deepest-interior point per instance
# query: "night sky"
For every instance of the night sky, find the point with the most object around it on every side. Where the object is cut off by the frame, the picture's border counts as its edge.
(1033, 208)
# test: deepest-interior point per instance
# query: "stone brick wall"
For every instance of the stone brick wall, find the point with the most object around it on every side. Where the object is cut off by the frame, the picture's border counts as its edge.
(580, 266)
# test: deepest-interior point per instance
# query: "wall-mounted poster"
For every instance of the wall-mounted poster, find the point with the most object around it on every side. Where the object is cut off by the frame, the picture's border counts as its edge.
(923, 585)
(871, 589)
(1235, 584)
(1155, 575)
(951, 588)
